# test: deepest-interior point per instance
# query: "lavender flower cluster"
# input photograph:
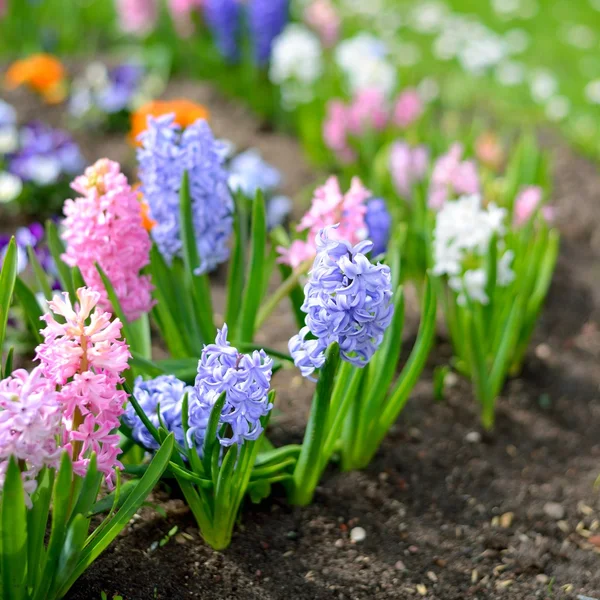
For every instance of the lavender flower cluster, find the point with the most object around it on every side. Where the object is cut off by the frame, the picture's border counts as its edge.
(348, 300)
(266, 20)
(245, 379)
(165, 154)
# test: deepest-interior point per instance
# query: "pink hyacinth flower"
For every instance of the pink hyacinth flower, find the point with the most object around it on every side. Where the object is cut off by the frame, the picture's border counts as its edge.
(408, 108)
(335, 131)
(407, 166)
(368, 110)
(137, 16)
(323, 18)
(85, 357)
(330, 207)
(30, 423)
(452, 176)
(105, 226)
(527, 202)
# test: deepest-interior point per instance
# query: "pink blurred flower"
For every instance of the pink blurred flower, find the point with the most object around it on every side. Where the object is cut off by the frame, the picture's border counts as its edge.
(105, 226)
(181, 13)
(452, 176)
(368, 110)
(408, 166)
(30, 423)
(527, 202)
(330, 207)
(323, 18)
(408, 108)
(137, 16)
(3, 8)
(335, 131)
(85, 357)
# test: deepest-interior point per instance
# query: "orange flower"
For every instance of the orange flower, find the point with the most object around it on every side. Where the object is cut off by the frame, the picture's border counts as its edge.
(43, 73)
(186, 112)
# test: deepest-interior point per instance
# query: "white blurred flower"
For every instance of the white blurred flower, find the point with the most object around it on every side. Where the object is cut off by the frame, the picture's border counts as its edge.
(509, 73)
(447, 45)
(9, 139)
(504, 274)
(478, 55)
(558, 108)
(472, 285)
(543, 85)
(43, 170)
(296, 63)
(428, 89)
(506, 8)
(363, 61)
(592, 91)
(579, 36)
(10, 187)
(96, 75)
(360, 7)
(517, 41)
(8, 115)
(428, 17)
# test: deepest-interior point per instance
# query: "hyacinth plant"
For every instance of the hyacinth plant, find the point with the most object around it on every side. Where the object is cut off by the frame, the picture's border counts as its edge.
(218, 424)
(493, 265)
(351, 342)
(58, 445)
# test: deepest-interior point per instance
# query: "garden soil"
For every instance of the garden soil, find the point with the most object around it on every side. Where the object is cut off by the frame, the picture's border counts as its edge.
(449, 513)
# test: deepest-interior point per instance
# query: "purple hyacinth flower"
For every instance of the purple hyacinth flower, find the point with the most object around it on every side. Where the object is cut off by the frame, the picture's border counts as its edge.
(266, 20)
(165, 392)
(165, 154)
(379, 223)
(223, 19)
(248, 173)
(245, 379)
(348, 300)
(123, 82)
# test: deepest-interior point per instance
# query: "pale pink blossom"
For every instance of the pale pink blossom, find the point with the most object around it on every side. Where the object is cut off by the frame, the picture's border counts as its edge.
(323, 18)
(330, 207)
(408, 166)
(452, 176)
(30, 423)
(3, 8)
(137, 16)
(488, 150)
(105, 227)
(369, 110)
(408, 108)
(84, 356)
(335, 131)
(528, 202)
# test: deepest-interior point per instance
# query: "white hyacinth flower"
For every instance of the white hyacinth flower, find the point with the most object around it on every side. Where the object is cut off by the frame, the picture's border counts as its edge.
(10, 187)
(9, 139)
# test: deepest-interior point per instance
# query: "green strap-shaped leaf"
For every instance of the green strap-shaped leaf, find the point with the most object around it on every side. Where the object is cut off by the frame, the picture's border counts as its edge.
(31, 308)
(121, 519)
(8, 276)
(211, 442)
(40, 274)
(57, 249)
(252, 296)
(198, 284)
(13, 523)
(236, 276)
(37, 521)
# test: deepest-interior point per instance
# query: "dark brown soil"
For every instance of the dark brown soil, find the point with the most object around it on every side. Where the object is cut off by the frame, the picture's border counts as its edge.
(445, 518)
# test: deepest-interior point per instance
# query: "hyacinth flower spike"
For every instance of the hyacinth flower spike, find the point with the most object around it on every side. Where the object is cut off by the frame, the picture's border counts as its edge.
(218, 424)
(57, 446)
(354, 321)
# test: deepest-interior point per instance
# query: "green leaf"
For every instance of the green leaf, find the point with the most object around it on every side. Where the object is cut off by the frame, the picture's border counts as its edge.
(116, 306)
(259, 490)
(37, 521)
(57, 248)
(31, 308)
(306, 476)
(89, 489)
(8, 364)
(252, 296)
(211, 443)
(40, 274)
(71, 550)
(198, 284)
(235, 277)
(109, 502)
(61, 504)
(13, 537)
(124, 514)
(145, 366)
(8, 276)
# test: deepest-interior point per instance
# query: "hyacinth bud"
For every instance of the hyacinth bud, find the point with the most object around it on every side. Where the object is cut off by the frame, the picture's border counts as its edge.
(348, 300)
